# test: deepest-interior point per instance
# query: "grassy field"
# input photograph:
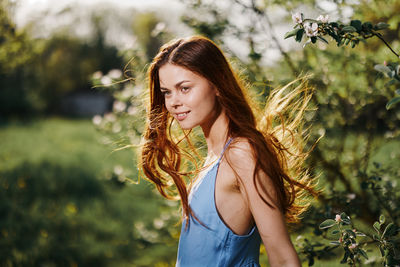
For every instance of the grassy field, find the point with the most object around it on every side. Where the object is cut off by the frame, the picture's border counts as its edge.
(66, 141)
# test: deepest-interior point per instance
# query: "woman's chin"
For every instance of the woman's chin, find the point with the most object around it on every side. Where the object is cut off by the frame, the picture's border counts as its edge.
(186, 126)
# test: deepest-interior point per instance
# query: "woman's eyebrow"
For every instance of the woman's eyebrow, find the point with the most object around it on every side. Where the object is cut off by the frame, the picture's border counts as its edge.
(176, 85)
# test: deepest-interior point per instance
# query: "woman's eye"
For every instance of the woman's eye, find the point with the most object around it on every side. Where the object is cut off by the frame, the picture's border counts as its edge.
(185, 89)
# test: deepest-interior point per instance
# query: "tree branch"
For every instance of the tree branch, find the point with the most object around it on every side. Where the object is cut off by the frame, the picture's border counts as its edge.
(384, 41)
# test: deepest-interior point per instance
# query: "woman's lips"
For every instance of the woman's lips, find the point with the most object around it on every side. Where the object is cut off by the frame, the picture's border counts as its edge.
(181, 116)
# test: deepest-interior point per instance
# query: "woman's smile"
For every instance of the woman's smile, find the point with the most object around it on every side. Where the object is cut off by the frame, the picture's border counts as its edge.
(181, 116)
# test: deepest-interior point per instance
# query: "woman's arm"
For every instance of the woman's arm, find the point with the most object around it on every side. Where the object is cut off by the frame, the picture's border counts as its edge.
(270, 221)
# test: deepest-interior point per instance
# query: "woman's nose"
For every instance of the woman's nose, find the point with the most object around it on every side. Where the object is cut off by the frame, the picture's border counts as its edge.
(175, 100)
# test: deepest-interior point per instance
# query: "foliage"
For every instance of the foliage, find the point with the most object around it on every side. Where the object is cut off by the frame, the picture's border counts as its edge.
(388, 245)
(392, 71)
(149, 31)
(16, 50)
(343, 34)
(37, 73)
(353, 250)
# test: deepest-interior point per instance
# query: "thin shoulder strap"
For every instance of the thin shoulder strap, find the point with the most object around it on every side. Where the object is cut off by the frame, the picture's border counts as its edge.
(225, 147)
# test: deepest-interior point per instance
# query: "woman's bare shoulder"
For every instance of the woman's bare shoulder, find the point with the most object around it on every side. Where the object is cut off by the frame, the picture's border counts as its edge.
(242, 160)
(243, 163)
(240, 154)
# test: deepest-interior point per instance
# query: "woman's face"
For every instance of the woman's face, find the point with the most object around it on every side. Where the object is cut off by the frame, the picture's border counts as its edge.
(189, 97)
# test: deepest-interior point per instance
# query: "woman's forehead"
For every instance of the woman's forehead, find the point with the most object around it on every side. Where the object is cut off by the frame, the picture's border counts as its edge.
(170, 75)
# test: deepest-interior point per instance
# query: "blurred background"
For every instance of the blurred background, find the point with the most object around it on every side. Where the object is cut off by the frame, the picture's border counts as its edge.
(70, 191)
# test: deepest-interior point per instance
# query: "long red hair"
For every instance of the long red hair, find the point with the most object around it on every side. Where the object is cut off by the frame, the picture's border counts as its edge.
(276, 137)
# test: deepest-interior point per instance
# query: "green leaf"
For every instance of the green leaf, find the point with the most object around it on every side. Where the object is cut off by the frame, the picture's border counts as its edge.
(313, 39)
(317, 245)
(345, 218)
(322, 39)
(377, 227)
(310, 261)
(367, 25)
(392, 102)
(299, 35)
(363, 253)
(349, 29)
(291, 33)
(382, 251)
(327, 224)
(346, 255)
(382, 219)
(390, 230)
(334, 243)
(397, 91)
(390, 83)
(381, 26)
(382, 68)
(391, 260)
(335, 232)
(360, 233)
(334, 24)
(350, 233)
(356, 24)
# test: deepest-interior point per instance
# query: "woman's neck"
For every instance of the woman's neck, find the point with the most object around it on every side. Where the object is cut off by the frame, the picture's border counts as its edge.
(216, 134)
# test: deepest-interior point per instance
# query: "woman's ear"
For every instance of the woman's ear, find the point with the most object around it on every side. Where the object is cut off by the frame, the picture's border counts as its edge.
(216, 90)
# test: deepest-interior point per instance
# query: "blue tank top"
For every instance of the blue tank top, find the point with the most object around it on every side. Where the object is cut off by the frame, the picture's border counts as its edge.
(213, 243)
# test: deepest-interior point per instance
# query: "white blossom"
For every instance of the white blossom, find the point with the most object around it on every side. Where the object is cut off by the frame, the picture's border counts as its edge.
(97, 75)
(119, 106)
(127, 91)
(311, 29)
(351, 196)
(118, 170)
(110, 117)
(116, 128)
(323, 19)
(97, 120)
(297, 18)
(105, 80)
(137, 90)
(114, 73)
(160, 27)
(132, 110)
(158, 223)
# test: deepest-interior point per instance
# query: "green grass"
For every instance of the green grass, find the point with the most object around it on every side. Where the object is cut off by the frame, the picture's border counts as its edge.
(63, 140)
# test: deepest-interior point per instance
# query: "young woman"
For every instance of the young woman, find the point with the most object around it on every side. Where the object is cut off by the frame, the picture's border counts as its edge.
(252, 181)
